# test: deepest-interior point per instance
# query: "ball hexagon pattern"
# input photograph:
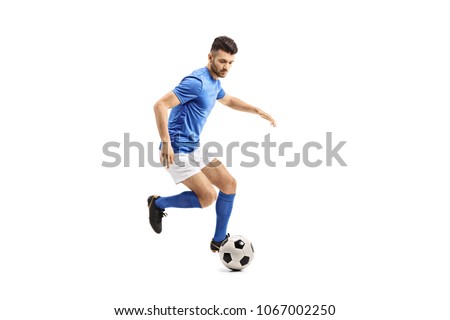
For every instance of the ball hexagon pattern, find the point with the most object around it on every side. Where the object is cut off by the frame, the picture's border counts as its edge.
(236, 252)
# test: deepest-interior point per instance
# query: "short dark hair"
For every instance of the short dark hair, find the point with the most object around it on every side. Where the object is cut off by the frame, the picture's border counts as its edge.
(224, 43)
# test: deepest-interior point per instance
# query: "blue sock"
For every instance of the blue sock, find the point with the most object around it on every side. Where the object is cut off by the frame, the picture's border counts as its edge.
(224, 205)
(187, 199)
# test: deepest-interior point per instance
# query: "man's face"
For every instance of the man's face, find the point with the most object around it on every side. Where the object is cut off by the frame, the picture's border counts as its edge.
(221, 63)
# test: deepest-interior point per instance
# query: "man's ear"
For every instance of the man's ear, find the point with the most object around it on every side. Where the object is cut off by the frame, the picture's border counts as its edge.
(210, 57)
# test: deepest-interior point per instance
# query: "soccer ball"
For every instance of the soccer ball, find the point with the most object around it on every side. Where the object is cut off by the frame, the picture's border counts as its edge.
(236, 252)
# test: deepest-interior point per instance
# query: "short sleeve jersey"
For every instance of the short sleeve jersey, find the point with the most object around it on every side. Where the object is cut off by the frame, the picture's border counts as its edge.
(197, 93)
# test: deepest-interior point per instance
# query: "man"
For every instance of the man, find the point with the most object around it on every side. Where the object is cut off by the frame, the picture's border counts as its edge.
(191, 102)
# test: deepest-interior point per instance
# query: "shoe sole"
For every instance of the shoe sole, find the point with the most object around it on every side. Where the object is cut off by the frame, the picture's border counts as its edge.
(149, 204)
(214, 250)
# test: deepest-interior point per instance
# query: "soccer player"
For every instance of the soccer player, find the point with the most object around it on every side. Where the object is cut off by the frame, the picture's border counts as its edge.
(191, 102)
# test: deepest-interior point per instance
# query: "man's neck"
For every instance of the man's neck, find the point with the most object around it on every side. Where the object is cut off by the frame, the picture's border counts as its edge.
(215, 76)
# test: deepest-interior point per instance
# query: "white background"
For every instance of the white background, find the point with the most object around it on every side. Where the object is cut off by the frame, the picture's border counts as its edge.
(370, 238)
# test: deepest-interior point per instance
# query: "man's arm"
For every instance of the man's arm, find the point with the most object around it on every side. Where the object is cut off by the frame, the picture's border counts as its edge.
(161, 109)
(238, 104)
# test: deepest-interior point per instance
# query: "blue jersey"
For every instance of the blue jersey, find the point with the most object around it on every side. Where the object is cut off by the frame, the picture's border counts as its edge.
(197, 93)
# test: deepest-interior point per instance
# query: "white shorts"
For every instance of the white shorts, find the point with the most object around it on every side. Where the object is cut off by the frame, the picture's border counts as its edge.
(187, 164)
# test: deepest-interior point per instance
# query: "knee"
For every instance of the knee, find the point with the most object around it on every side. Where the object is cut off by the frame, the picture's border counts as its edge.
(207, 198)
(230, 186)
(233, 184)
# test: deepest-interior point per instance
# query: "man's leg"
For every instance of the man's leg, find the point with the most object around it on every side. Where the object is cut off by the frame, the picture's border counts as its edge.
(202, 194)
(202, 188)
(219, 176)
(186, 199)
(185, 169)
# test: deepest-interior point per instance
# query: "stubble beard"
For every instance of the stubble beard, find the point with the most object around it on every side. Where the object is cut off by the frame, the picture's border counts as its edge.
(216, 71)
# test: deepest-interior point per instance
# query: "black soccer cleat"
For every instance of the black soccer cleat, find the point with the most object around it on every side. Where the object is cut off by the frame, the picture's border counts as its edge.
(155, 214)
(215, 245)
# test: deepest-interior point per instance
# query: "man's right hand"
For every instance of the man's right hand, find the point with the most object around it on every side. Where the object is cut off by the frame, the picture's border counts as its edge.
(166, 156)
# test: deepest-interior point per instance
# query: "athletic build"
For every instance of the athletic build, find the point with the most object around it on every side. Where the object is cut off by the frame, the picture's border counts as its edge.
(191, 102)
